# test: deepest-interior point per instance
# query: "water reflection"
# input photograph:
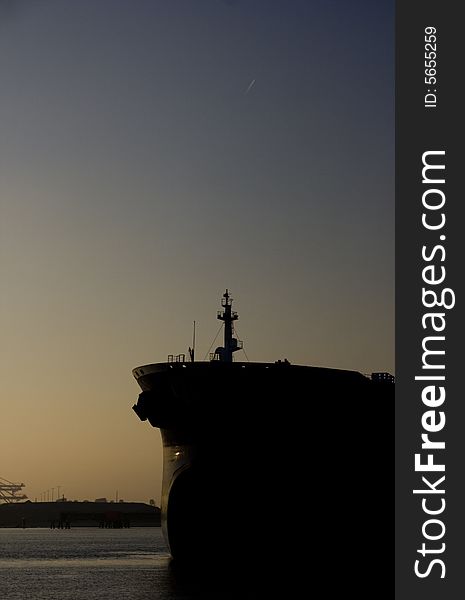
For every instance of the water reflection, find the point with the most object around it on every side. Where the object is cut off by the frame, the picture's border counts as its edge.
(95, 564)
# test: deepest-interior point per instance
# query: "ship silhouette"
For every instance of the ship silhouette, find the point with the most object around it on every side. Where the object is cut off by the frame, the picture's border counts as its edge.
(264, 455)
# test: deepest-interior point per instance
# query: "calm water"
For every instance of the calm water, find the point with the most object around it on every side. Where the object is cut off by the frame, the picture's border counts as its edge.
(98, 564)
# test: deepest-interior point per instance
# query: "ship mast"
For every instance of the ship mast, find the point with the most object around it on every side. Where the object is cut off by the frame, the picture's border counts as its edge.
(228, 316)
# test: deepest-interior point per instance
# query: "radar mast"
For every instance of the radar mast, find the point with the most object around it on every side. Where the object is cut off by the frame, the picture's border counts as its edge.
(228, 316)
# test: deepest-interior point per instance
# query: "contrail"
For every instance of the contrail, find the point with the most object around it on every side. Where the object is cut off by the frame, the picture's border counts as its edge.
(251, 84)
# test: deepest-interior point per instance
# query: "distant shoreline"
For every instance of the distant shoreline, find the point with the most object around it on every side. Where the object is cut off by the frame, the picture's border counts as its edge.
(65, 515)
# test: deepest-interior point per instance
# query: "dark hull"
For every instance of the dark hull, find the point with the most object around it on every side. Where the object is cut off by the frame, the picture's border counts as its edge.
(266, 455)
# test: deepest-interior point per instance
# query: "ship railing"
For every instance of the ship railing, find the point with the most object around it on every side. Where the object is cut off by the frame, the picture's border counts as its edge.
(383, 378)
(234, 315)
(176, 358)
(380, 377)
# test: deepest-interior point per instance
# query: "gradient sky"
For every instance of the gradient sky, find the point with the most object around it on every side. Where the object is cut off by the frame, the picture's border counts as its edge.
(141, 174)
